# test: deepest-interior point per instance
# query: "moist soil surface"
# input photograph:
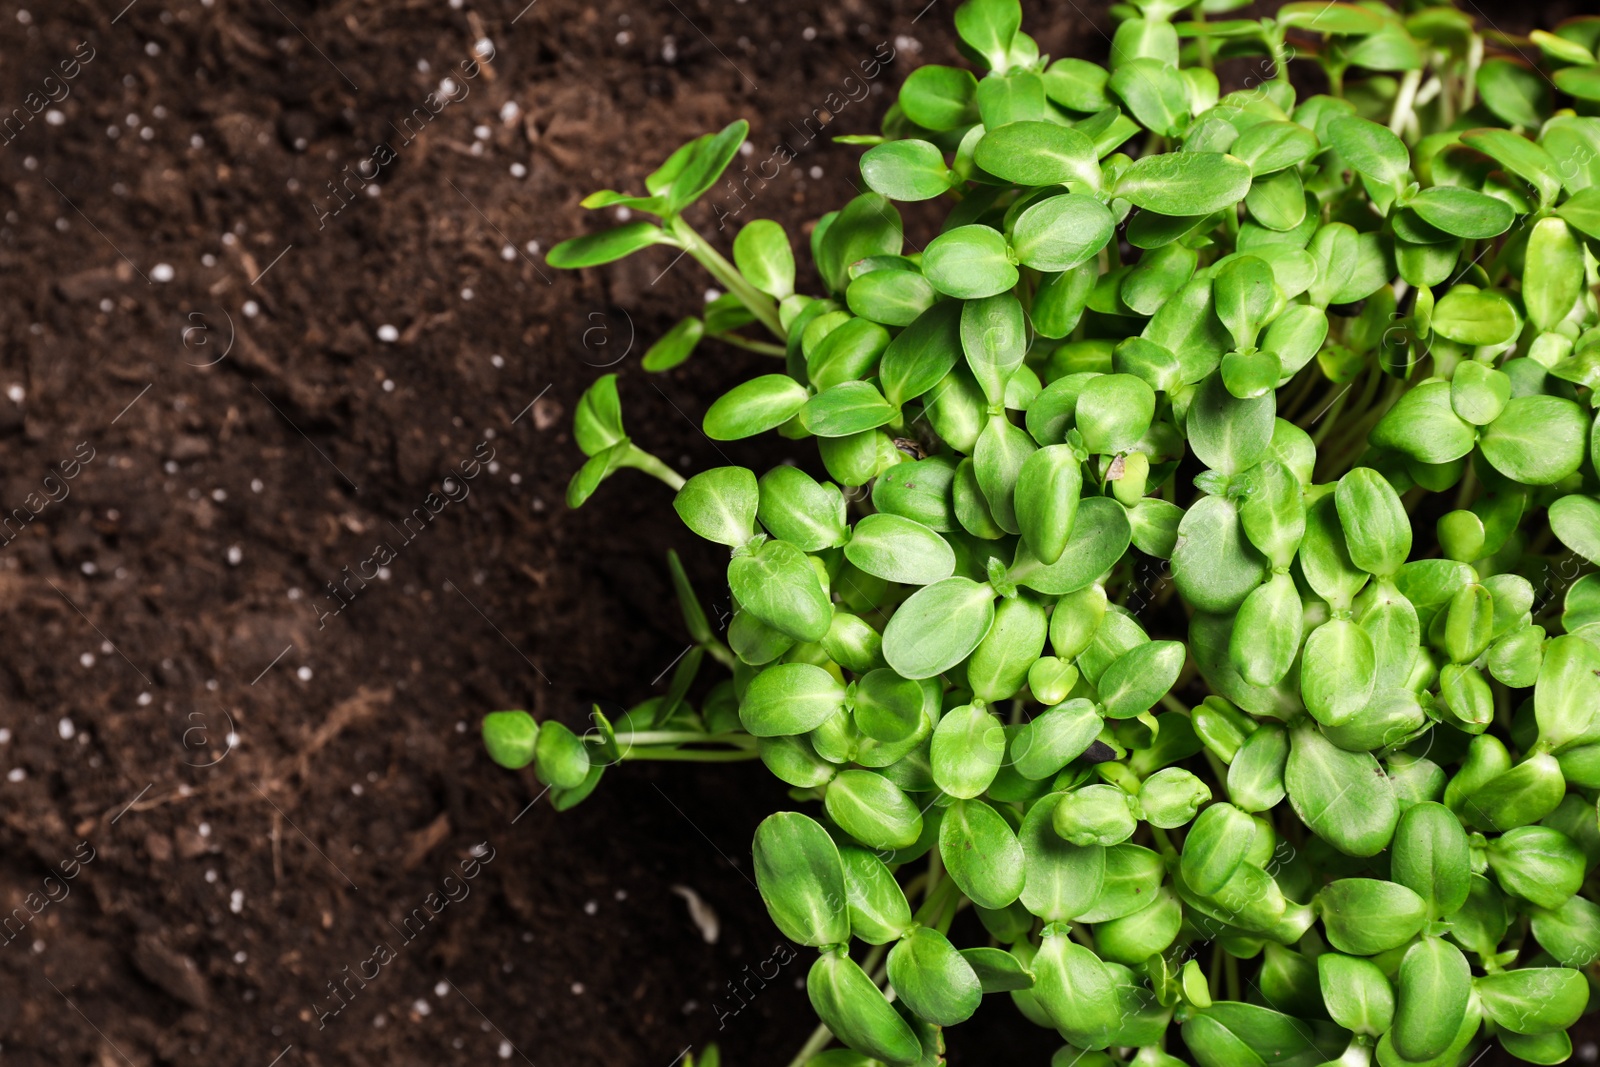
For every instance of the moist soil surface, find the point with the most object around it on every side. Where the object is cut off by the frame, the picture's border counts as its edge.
(284, 442)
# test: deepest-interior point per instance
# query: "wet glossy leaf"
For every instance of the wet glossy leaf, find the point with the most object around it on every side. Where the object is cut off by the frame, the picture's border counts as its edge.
(801, 878)
(981, 853)
(970, 262)
(938, 627)
(1185, 183)
(1061, 232)
(906, 170)
(852, 1006)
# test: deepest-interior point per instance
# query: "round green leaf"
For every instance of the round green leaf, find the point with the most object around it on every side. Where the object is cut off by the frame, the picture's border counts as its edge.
(801, 878)
(1537, 440)
(1185, 183)
(938, 627)
(1060, 232)
(970, 262)
(898, 549)
(982, 855)
(720, 505)
(790, 698)
(1036, 154)
(906, 170)
(755, 406)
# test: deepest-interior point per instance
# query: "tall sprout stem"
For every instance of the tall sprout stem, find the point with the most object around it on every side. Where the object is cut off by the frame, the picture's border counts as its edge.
(759, 304)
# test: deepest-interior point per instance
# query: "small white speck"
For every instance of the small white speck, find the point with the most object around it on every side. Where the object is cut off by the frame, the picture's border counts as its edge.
(87, 659)
(494, 466)
(170, 466)
(467, 294)
(621, 894)
(461, 727)
(145, 133)
(441, 989)
(5, 736)
(591, 908)
(106, 305)
(132, 120)
(809, 33)
(304, 674)
(423, 66)
(38, 947)
(505, 1050)
(388, 334)
(239, 957)
(152, 49)
(113, 133)
(162, 272)
(532, 247)
(236, 901)
(16, 393)
(219, 495)
(447, 87)
(211, 876)
(383, 574)
(16, 774)
(205, 829)
(208, 260)
(624, 214)
(509, 111)
(669, 50)
(577, 989)
(482, 133)
(88, 567)
(23, 16)
(815, 172)
(256, 485)
(379, 1022)
(421, 1007)
(623, 37)
(518, 170)
(483, 46)
(235, 554)
(144, 700)
(55, 117)
(388, 385)
(251, 309)
(508, 253)
(712, 294)
(106, 648)
(65, 728)
(196, 141)
(497, 361)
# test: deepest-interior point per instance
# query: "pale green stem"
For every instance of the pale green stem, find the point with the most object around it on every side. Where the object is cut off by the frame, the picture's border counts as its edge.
(1400, 117)
(764, 347)
(681, 737)
(693, 755)
(639, 459)
(760, 304)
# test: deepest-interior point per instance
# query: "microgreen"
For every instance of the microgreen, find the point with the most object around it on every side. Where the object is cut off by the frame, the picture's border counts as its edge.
(1200, 584)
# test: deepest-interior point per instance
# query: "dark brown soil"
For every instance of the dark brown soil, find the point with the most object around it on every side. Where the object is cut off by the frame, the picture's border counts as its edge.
(286, 845)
